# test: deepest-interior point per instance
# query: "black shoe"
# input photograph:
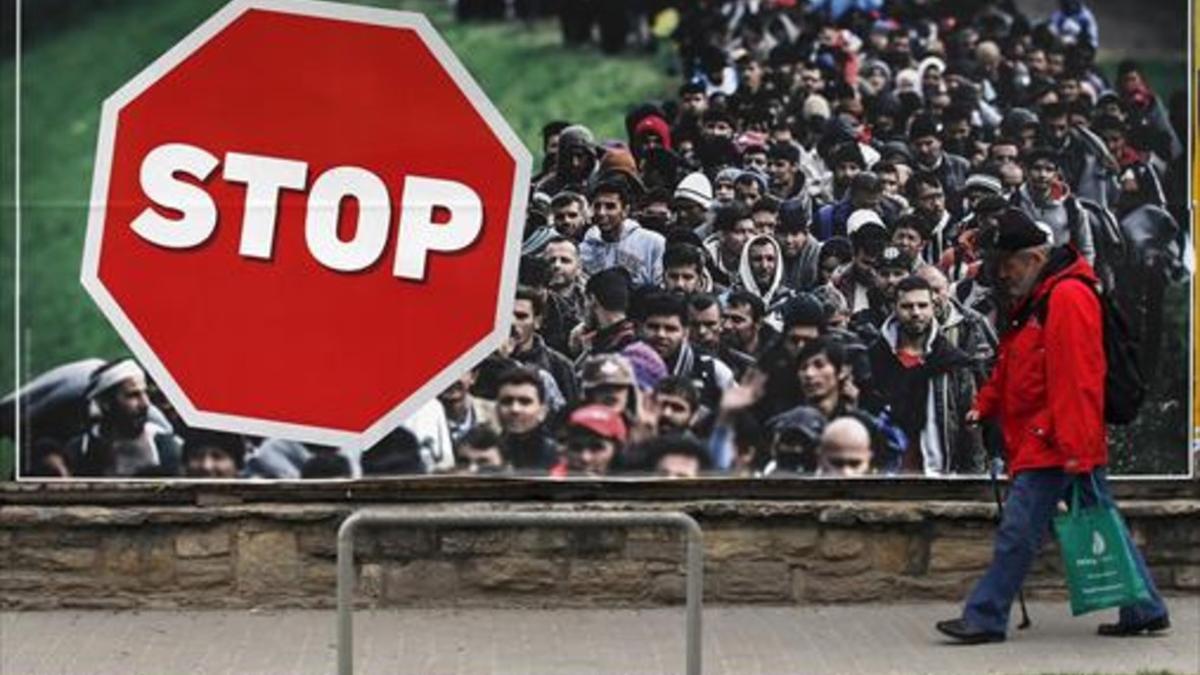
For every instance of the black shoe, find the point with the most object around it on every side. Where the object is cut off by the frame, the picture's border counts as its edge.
(966, 634)
(1122, 630)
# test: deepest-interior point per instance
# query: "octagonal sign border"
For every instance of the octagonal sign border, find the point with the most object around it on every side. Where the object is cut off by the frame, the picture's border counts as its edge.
(99, 197)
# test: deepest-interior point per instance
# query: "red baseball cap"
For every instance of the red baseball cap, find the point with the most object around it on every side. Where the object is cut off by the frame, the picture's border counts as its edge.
(600, 420)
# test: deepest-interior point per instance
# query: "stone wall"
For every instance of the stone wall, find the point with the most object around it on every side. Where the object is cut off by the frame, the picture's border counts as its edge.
(283, 555)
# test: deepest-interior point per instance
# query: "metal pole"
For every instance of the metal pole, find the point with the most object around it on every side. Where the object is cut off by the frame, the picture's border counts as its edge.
(676, 520)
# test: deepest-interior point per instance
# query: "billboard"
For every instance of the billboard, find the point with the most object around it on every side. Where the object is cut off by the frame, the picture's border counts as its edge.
(321, 240)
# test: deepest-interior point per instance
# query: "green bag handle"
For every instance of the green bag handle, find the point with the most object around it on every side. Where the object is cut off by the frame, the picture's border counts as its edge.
(1078, 488)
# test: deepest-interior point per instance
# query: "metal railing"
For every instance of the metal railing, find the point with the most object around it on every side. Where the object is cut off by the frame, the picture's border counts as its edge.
(565, 520)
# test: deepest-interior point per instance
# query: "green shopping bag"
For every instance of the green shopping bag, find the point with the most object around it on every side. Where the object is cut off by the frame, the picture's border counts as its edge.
(1099, 566)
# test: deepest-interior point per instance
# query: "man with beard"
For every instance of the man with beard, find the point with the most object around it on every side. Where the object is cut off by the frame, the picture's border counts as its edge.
(963, 327)
(927, 384)
(692, 198)
(120, 440)
(530, 349)
(569, 212)
(614, 240)
(743, 330)
(575, 163)
(683, 269)
(704, 322)
(525, 441)
(566, 277)
(693, 103)
(1048, 394)
(665, 328)
(761, 274)
(928, 196)
(1045, 198)
(677, 402)
(801, 251)
(925, 137)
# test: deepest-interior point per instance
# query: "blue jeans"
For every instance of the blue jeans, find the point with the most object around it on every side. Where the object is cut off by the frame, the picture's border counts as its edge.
(1028, 513)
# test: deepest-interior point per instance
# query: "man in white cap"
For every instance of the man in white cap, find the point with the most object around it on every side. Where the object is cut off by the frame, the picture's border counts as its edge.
(121, 441)
(859, 281)
(691, 201)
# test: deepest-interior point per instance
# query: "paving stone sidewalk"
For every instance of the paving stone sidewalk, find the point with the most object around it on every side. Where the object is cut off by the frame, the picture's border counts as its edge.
(738, 640)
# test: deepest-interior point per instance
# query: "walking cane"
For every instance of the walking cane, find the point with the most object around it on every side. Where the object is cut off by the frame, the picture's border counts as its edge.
(995, 470)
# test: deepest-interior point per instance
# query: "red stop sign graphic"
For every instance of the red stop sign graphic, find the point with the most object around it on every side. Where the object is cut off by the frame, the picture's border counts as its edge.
(306, 220)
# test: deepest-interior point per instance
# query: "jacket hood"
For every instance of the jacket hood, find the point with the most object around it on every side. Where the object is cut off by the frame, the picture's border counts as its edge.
(890, 332)
(746, 276)
(627, 229)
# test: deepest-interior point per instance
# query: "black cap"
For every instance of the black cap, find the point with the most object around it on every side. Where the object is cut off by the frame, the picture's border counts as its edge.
(894, 257)
(804, 309)
(806, 422)
(1016, 231)
(925, 125)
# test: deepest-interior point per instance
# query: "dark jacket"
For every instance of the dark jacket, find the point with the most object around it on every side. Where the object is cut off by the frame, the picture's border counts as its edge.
(944, 384)
(553, 362)
(952, 170)
(1047, 388)
(534, 451)
(801, 272)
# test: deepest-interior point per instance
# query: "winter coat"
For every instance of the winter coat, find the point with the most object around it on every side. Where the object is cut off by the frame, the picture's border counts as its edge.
(929, 402)
(800, 273)
(638, 250)
(1047, 388)
(970, 332)
(560, 367)
(952, 171)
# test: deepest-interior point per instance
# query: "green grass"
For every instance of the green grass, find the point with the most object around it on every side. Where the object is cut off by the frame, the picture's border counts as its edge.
(66, 75)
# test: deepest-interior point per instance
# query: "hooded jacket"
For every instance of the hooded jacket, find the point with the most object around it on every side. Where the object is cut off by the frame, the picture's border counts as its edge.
(929, 401)
(1065, 216)
(1047, 388)
(777, 293)
(638, 250)
(971, 333)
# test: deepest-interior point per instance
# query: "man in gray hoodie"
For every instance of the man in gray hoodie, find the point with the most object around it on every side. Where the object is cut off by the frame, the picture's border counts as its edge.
(1046, 198)
(615, 240)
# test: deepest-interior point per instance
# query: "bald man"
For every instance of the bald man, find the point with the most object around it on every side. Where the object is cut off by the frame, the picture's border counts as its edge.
(845, 449)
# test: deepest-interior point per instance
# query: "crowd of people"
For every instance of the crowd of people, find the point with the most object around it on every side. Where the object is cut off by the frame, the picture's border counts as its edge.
(780, 270)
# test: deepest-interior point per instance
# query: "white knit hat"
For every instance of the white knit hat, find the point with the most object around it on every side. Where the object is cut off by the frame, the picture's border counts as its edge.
(695, 187)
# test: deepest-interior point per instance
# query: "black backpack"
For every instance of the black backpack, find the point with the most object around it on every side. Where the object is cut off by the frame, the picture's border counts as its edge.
(1124, 384)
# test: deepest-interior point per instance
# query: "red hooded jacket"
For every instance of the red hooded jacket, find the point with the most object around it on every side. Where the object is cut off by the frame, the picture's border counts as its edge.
(1047, 388)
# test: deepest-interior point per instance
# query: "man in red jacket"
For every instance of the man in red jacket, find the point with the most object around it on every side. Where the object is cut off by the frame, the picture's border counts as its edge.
(1047, 392)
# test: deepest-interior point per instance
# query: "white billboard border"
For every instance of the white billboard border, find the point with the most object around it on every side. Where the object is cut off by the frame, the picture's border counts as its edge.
(437, 46)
